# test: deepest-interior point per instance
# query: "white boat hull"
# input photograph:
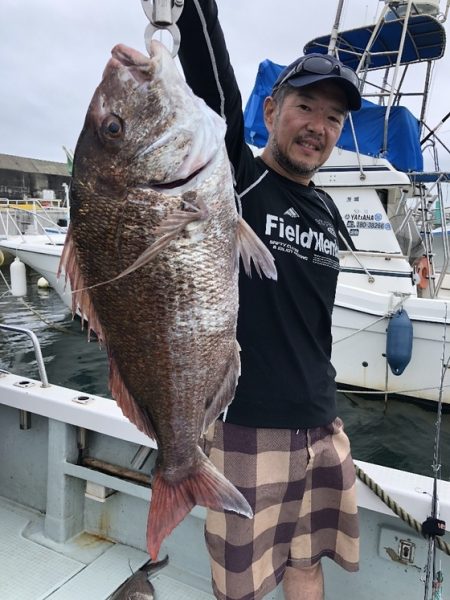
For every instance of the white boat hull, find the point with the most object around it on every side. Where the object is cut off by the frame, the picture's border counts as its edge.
(42, 253)
(359, 329)
(359, 345)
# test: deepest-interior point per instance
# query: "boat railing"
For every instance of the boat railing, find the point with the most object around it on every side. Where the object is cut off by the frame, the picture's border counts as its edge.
(25, 416)
(429, 198)
(37, 350)
(373, 254)
(31, 203)
(445, 247)
(38, 219)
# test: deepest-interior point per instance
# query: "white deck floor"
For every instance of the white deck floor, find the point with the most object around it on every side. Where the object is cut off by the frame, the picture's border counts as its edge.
(88, 567)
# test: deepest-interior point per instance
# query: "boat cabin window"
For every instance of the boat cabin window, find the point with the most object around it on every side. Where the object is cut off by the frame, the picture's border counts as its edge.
(383, 196)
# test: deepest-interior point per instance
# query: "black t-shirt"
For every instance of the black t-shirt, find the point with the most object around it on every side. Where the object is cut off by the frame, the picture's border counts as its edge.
(284, 326)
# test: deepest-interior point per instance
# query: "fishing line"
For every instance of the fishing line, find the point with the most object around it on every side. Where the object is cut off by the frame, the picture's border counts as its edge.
(431, 559)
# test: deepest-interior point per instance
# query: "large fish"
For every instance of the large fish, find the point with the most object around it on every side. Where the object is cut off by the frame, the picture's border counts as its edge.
(152, 255)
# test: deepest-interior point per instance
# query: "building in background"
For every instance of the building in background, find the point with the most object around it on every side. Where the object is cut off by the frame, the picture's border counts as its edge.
(23, 178)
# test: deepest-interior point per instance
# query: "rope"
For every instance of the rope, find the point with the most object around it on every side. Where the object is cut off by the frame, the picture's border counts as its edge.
(398, 510)
(388, 315)
(51, 324)
(346, 337)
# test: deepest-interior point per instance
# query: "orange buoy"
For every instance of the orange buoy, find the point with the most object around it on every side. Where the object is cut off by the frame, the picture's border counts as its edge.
(422, 272)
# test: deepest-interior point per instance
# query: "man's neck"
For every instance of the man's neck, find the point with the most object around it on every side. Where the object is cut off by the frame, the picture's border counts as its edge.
(270, 161)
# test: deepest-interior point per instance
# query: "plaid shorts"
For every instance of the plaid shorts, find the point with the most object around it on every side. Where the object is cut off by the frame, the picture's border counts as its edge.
(301, 487)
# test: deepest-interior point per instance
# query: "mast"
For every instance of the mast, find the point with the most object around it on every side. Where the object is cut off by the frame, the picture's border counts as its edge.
(335, 29)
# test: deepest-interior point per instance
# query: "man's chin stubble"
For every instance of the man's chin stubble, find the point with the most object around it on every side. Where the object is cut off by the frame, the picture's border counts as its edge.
(294, 168)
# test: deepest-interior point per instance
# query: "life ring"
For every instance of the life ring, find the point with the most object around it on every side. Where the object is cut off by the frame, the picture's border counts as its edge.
(422, 272)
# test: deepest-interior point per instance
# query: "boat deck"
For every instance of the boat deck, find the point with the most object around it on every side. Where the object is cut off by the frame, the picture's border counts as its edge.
(88, 567)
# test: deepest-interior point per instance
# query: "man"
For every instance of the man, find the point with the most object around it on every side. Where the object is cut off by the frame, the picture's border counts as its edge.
(281, 443)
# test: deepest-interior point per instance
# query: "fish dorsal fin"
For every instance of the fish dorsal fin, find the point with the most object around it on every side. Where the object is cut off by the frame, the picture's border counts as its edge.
(127, 403)
(81, 300)
(251, 248)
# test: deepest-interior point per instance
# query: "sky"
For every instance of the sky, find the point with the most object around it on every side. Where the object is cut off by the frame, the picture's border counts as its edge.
(53, 52)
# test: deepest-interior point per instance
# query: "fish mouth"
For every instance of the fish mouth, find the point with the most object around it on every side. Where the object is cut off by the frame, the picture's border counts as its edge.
(170, 185)
(141, 67)
(203, 140)
(179, 185)
(129, 57)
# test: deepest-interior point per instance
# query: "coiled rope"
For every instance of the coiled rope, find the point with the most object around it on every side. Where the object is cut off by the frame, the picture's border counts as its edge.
(398, 510)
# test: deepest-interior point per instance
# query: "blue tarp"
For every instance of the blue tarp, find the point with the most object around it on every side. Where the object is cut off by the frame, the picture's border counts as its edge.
(403, 152)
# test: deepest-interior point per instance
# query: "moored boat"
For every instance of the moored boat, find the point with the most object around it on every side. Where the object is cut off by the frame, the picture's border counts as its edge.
(387, 200)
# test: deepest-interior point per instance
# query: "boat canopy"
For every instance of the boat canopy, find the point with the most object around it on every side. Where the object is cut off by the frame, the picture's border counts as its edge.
(432, 177)
(425, 40)
(403, 149)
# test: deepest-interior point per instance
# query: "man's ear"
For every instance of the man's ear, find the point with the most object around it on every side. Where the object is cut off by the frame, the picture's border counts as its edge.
(269, 109)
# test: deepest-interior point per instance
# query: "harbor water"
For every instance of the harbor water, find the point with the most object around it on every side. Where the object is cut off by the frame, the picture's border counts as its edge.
(402, 436)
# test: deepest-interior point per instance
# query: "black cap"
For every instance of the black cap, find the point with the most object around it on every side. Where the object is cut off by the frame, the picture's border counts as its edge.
(312, 68)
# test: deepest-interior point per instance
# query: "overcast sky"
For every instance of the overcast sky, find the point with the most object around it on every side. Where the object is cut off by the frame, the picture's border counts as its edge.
(53, 53)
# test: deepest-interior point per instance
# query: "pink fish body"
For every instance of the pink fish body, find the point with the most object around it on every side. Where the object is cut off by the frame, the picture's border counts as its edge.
(152, 254)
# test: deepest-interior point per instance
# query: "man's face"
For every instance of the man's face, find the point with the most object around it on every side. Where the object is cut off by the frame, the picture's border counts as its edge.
(304, 129)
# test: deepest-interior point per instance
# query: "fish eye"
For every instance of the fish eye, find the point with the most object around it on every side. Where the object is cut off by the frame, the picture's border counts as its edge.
(112, 126)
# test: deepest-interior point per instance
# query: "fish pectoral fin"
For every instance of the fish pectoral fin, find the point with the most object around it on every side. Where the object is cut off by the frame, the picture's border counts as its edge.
(168, 230)
(251, 248)
(81, 299)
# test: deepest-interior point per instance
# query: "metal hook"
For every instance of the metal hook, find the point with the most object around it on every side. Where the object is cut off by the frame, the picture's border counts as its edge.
(172, 29)
(163, 14)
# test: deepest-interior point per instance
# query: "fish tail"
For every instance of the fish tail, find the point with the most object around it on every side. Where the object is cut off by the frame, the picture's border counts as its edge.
(171, 502)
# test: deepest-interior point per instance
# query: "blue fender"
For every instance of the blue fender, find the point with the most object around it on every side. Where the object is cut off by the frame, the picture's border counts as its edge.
(399, 341)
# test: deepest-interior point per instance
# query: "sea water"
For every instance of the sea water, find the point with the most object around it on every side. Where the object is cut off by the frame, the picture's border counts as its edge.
(400, 434)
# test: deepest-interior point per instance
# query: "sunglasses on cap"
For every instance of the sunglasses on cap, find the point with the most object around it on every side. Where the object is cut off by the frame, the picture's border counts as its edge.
(319, 65)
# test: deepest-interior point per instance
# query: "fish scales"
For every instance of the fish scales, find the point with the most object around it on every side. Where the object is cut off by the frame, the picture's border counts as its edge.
(152, 256)
(177, 313)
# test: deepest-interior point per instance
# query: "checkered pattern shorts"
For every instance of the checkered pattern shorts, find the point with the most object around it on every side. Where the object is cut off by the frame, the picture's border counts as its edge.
(301, 487)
